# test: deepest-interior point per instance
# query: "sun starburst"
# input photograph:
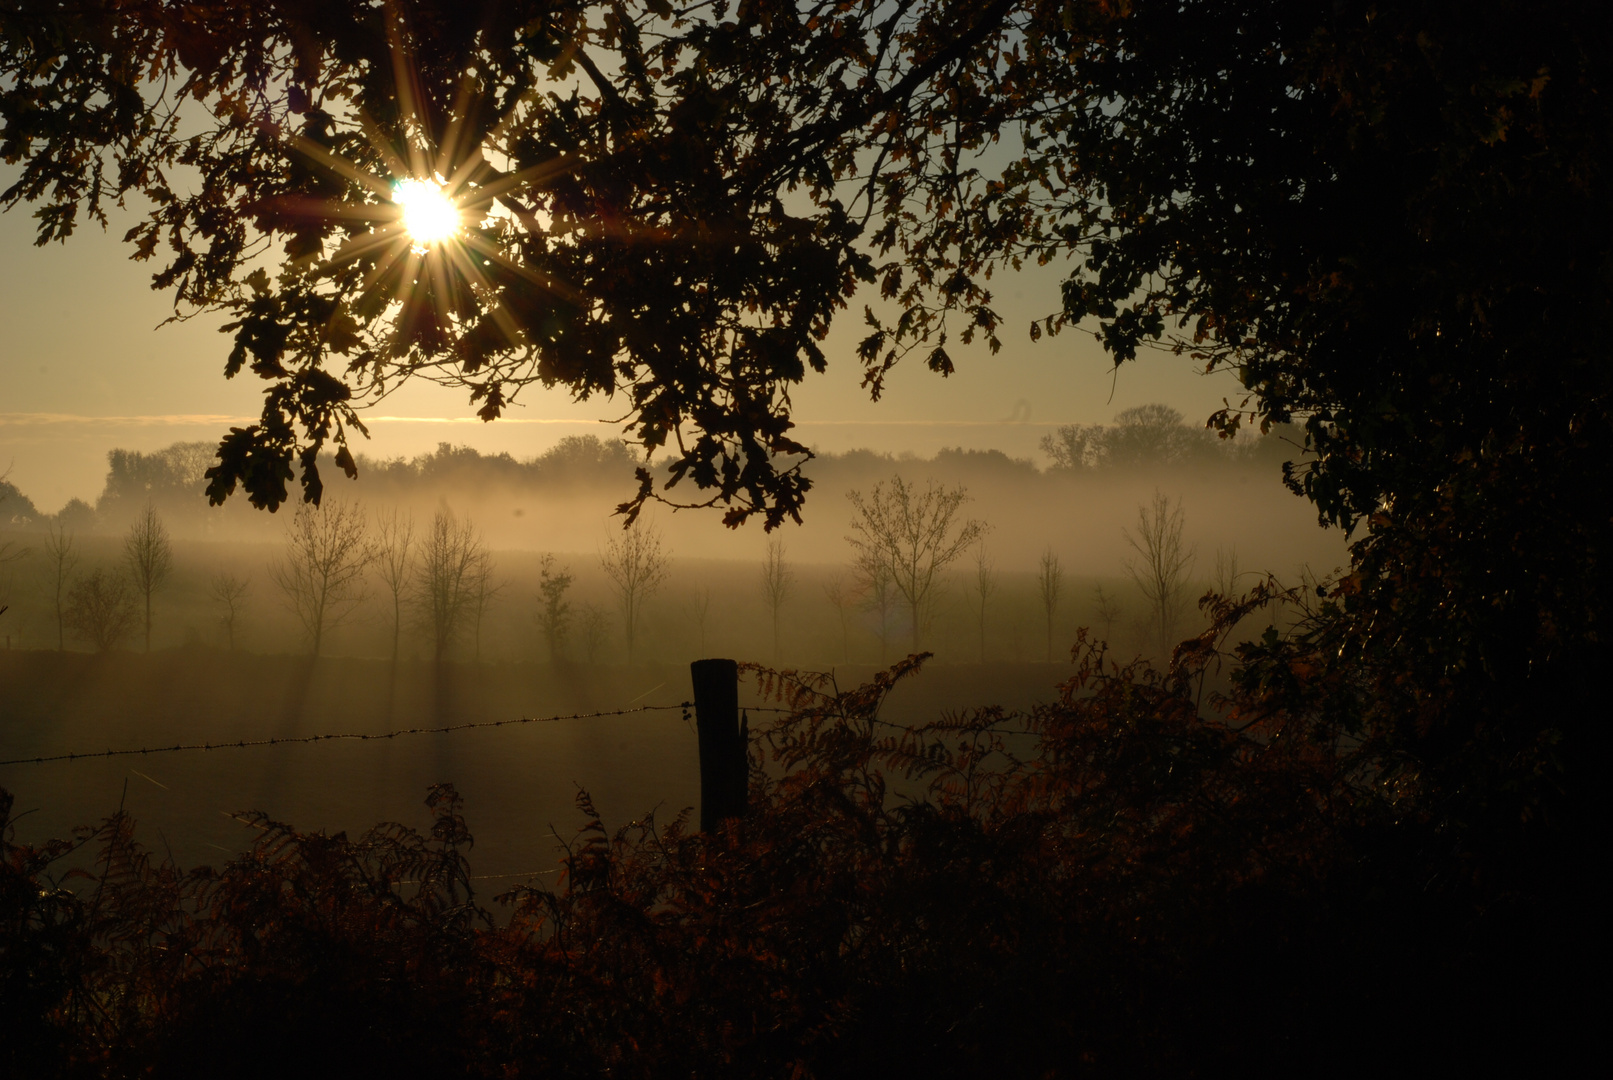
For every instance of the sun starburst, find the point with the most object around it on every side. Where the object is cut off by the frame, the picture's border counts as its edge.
(423, 224)
(430, 215)
(432, 267)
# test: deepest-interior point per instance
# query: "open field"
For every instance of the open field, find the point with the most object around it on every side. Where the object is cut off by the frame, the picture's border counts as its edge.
(518, 781)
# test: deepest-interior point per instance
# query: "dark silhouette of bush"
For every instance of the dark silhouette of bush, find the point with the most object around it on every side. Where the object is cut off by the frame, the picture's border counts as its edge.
(1133, 879)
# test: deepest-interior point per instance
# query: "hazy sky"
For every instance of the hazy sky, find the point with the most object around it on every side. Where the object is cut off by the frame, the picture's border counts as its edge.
(84, 368)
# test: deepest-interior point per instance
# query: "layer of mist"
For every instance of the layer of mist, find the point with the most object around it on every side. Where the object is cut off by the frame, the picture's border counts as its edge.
(1080, 505)
(1057, 550)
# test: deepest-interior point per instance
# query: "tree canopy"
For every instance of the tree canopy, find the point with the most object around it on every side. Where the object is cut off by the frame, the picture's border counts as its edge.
(671, 204)
(623, 201)
(1390, 220)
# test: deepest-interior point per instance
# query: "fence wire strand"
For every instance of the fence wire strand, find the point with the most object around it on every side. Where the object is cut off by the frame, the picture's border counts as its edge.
(348, 736)
(354, 736)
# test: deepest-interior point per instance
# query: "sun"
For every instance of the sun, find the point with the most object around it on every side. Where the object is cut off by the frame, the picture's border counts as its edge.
(429, 214)
(416, 215)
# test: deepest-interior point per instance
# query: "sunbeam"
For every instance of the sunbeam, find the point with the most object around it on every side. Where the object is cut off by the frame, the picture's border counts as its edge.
(429, 215)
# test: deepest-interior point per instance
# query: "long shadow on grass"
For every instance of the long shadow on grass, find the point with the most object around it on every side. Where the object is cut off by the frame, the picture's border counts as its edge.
(290, 722)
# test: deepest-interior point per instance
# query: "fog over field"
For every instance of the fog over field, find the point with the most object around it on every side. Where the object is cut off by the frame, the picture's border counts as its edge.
(1056, 549)
(1232, 503)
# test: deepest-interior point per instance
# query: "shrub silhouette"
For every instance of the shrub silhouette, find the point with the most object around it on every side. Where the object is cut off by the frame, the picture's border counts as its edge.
(1107, 884)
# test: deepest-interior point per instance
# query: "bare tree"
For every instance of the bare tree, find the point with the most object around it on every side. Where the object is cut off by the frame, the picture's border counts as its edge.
(914, 535)
(394, 563)
(1161, 565)
(150, 557)
(448, 577)
(1226, 571)
(101, 609)
(878, 594)
(321, 576)
(777, 581)
(61, 559)
(595, 631)
(229, 592)
(1049, 582)
(699, 609)
(1107, 608)
(483, 592)
(555, 614)
(843, 598)
(636, 566)
(985, 583)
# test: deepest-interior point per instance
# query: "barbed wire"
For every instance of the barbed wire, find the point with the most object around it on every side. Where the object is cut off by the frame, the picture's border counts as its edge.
(279, 740)
(354, 736)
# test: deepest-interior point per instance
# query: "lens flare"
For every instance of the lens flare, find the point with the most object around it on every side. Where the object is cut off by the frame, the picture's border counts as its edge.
(429, 215)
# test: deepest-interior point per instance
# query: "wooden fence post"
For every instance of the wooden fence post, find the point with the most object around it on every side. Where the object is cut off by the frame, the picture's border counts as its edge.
(724, 772)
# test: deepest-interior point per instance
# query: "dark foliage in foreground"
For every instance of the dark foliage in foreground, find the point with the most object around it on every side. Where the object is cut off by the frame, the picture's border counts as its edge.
(1107, 885)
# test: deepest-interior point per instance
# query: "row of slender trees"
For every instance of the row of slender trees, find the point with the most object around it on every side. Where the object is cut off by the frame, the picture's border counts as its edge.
(904, 538)
(440, 579)
(636, 563)
(104, 605)
(443, 577)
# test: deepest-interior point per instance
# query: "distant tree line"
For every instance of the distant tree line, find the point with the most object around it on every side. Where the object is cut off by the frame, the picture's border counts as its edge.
(173, 479)
(575, 459)
(1158, 437)
(17, 511)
